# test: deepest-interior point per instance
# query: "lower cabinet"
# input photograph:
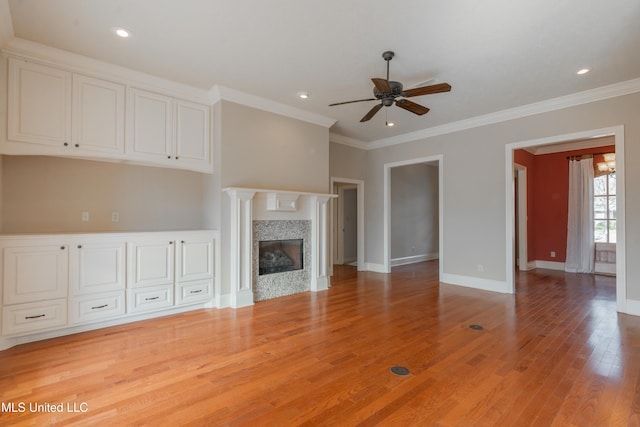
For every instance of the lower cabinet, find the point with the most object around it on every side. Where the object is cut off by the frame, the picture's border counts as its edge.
(56, 282)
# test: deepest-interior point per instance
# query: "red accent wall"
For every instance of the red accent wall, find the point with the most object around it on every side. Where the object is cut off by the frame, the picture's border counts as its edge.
(547, 201)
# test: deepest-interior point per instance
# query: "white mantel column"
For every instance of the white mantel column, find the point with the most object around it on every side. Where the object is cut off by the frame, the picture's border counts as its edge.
(241, 274)
(320, 253)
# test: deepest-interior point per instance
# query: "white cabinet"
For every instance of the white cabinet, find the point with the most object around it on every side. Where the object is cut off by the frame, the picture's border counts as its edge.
(168, 131)
(150, 262)
(97, 279)
(194, 269)
(53, 282)
(44, 103)
(98, 115)
(39, 104)
(35, 273)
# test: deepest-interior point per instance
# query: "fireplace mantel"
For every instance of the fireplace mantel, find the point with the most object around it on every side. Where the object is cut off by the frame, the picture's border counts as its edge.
(248, 204)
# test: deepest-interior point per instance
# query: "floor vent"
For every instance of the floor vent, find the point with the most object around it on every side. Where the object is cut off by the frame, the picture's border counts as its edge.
(399, 370)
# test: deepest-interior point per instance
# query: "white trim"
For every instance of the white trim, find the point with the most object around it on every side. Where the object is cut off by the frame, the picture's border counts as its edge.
(593, 95)
(387, 208)
(6, 23)
(376, 268)
(414, 259)
(618, 134)
(605, 268)
(569, 146)
(475, 283)
(360, 207)
(631, 307)
(523, 250)
(345, 140)
(224, 301)
(219, 92)
(549, 265)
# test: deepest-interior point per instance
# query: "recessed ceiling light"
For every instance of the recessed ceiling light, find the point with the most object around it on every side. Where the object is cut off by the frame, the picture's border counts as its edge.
(583, 71)
(303, 95)
(121, 32)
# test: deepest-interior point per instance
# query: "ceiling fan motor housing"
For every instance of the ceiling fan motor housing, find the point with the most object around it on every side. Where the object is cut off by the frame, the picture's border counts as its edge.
(396, 90)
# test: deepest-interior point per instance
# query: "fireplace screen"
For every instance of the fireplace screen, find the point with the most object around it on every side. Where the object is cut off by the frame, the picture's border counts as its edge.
(277, 256)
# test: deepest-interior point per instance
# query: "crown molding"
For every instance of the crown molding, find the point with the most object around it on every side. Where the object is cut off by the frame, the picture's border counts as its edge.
(219, 92)
(345, 140)
(597, 94)
(594, 142)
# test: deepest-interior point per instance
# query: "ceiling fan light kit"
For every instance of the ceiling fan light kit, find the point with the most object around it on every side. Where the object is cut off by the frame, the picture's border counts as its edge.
(388, 91)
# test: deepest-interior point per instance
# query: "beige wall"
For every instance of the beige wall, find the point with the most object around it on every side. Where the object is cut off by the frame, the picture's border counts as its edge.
(266, 150)
(347, 162)
(474, 184)
(48, 194)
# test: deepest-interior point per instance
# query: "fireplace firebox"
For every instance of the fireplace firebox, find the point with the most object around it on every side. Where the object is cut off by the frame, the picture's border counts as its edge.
(278, 256)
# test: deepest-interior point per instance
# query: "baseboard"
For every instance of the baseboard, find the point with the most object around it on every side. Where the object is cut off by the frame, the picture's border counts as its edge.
(605, 268)
(476, 283)
(414, 259)
(631, 307)
(376, 268)
(224, 301)
(549, 265)
(241, 299)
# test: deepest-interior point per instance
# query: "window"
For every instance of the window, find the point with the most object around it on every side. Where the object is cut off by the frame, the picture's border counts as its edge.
(604, 208)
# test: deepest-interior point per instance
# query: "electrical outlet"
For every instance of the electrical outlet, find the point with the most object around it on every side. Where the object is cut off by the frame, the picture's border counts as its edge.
(85, 216)
(115, 216)
(480, 268)
(553, 254)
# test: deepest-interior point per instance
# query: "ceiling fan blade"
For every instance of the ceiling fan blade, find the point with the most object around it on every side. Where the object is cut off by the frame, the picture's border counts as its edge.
(427, 90)
(412, 106)
(382, 85)
(350, 102)
(371, 113)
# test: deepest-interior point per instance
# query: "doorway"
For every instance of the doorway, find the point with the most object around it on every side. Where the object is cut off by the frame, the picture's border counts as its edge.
(347, 223)
(436, 160)
(618, 135)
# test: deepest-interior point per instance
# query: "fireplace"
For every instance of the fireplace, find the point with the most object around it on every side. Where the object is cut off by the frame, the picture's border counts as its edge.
(279, 256)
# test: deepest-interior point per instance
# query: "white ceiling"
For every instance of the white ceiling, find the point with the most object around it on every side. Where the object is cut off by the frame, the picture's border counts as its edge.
(497, 54)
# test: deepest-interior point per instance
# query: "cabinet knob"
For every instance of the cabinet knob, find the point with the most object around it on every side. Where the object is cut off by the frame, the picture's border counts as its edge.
(77, 145)
(181, 241)
(168, 157)
(171, 243)
(62, 248)
(66, 144)
(177, 157)
(79, 246)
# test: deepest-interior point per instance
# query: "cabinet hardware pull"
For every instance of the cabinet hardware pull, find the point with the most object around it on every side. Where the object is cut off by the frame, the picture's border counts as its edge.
(171, 243)
(196, 292)
(181, 241)
(66, 144)
(62, 248)
(79, 246)
(168, 157)
(151, 299)
(35, 317)
(100, 306)
(77, 145)
(177, 157)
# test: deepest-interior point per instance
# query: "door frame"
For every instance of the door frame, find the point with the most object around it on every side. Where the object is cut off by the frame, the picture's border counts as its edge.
(522, 217)
(359, 185)
(622, 305)
(439, 158)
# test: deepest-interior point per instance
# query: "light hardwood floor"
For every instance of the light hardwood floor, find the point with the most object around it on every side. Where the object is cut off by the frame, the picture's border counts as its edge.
(555, 353)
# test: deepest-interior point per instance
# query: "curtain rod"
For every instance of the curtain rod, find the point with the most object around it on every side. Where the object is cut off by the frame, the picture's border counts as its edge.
(589, 154)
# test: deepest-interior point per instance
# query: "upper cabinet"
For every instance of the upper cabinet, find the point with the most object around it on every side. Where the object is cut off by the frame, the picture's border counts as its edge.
(61, 113)
(168, 131)
(98, 115)
(39, 104)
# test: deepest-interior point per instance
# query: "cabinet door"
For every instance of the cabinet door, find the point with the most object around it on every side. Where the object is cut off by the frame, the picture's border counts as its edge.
(97, 267)
(98, 115)
(39, 109)
(192, 142)
(35, 273)
(195, 259)
(150, 128)
(150, 263)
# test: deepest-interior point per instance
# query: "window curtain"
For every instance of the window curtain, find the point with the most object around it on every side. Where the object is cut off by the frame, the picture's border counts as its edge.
(580, 240)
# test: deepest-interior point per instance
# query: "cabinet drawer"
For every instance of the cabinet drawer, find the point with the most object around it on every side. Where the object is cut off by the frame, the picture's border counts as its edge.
(192, 292)
(97, 307)
(148, 299)
(34, 317)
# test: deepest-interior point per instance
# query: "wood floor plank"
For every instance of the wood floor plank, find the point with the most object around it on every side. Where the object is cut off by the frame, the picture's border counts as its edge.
(554, 353)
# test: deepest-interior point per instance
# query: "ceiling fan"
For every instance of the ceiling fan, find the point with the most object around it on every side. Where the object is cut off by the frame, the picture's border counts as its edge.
(388, 92)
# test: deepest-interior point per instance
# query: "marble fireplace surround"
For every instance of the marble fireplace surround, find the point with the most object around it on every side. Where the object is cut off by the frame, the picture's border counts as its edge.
(249, 205)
